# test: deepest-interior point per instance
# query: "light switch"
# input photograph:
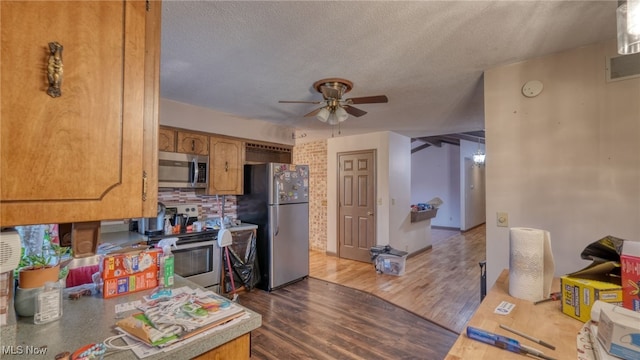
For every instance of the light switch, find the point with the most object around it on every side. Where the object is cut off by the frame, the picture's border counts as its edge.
(502, 219)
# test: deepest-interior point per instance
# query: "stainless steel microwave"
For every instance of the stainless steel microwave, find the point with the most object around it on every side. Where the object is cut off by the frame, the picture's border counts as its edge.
(178, 170)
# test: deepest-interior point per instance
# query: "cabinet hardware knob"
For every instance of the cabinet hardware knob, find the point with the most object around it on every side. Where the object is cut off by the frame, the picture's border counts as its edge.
(54, 69)
(144, 186)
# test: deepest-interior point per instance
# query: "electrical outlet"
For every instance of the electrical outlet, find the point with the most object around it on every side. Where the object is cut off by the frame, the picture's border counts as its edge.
(502, 219)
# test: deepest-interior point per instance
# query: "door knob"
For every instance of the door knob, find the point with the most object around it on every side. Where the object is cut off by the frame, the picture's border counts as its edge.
(369, 213)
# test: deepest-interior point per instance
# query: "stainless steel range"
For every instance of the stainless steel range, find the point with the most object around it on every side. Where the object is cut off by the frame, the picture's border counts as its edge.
(198, 257)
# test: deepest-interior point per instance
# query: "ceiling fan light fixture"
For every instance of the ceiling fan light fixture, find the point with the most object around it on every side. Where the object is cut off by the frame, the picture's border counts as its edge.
(335, 109)
(333, 119)
(633, 17)
(628, 26)
(323, 115)
(341, 114)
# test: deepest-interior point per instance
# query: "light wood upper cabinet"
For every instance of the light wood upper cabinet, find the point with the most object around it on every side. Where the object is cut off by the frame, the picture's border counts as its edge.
(226, 165)
(193, 143)
(167, 140)
(83, 155)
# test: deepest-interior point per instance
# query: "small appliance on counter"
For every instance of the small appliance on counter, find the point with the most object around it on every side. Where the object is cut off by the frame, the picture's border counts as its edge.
(10, 250)
(177, 214)
(153, 225)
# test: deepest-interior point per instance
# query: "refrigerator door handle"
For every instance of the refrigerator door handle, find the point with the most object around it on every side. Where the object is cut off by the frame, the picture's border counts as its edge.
(276, 201)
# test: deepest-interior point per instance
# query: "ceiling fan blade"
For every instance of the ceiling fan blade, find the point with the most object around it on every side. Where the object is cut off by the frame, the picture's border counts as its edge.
(354, 111)
(299, 102)
(368, 99)
(314, 112)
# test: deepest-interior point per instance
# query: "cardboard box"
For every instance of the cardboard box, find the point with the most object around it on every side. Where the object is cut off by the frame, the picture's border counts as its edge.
(131, 283)
(118, 265)
(128, 271)
(630, 274)
(617, 331)
(578, 296)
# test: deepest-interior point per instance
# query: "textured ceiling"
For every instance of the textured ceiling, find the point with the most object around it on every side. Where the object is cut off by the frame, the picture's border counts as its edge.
(428, 57)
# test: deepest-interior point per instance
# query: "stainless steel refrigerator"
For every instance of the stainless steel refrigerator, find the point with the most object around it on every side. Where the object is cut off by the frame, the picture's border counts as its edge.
(276, 198)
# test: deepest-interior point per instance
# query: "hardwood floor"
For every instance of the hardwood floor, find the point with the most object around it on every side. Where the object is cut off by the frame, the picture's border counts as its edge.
(345, 310)
(315, 319)
(441, 284)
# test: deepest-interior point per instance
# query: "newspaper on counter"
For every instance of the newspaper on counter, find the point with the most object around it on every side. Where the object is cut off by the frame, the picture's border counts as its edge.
(185, 313)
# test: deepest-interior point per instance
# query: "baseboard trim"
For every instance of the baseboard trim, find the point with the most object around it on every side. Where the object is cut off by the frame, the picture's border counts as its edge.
(464, 231)
(445, 228)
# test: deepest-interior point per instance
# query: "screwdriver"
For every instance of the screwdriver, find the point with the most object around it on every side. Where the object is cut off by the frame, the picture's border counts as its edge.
(504, 343)
(553, 297)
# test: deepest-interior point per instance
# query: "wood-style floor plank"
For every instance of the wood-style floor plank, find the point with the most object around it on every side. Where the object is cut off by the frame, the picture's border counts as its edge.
(441, 284)
(315, 319)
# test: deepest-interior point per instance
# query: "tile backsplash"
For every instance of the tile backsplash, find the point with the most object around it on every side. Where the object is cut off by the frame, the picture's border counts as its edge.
(210, 206)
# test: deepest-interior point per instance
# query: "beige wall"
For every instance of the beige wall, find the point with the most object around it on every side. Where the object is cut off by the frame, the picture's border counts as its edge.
(393, 190)
(173, 113)
(568, 160)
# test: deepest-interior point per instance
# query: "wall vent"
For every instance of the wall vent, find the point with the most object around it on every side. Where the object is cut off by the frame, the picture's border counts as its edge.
(623, 67)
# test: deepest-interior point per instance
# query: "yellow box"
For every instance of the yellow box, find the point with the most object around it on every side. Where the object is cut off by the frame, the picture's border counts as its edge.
(578, 296)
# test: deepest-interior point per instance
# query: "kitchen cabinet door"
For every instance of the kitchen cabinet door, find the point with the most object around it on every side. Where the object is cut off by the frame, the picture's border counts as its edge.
(167, 140)
(226, 165)
(193, 143)
(84, 153)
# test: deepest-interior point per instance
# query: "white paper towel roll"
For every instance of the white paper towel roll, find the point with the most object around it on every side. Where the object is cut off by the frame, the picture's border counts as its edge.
(531, 266)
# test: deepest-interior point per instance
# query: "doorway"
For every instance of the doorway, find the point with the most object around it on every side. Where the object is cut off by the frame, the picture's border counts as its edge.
(356, 204)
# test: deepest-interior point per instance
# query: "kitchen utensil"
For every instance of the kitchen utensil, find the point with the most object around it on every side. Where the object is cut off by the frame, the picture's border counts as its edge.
(160, 216)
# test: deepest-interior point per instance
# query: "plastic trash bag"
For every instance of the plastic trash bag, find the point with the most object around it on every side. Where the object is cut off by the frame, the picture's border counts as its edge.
(244, 262)
(608, 248)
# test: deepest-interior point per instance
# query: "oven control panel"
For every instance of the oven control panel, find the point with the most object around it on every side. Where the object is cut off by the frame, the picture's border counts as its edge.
(190, 210)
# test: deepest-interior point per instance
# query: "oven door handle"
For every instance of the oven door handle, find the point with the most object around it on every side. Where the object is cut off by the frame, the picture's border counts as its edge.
(194, 245)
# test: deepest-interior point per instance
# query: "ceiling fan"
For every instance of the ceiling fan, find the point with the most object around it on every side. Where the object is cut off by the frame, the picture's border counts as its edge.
(335, 110)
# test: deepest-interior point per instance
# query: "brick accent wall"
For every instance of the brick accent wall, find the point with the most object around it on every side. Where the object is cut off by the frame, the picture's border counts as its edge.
(314, 154)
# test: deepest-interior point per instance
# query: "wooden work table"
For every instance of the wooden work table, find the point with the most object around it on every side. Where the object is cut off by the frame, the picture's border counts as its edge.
(544, 321)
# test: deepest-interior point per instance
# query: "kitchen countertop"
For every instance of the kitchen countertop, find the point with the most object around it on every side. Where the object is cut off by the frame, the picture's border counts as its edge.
(92, 319)
(125, 238)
